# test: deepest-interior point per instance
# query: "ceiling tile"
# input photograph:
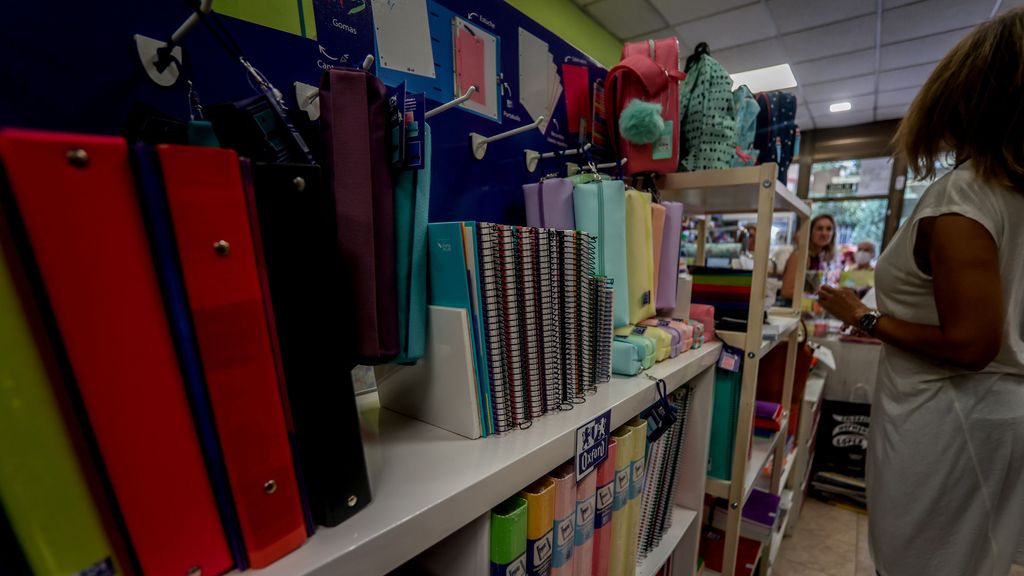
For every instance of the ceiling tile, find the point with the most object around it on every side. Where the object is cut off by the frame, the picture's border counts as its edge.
(859, 105)
(1009, 5)
(887, 4)
(750, 56)
(897, 97)
(729, 29)
(838, 38)
(920, 51)
(835, 67)
(626, 18)
(905, 77)
(931, 17)
(844, 119)
(678, 11)
(891, 112)
(795, 15)
(839, 89)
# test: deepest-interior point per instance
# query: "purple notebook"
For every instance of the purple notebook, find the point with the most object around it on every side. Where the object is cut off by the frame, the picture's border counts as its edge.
(549, 204)
(668, 260)
(767, 410)
(761, 508)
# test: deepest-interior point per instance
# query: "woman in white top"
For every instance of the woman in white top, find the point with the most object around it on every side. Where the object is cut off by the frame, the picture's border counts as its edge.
(946, 452)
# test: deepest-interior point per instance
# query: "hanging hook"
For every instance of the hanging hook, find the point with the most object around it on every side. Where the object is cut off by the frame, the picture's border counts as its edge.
(469, 92)
(533, 157)
(157, 56)
(478, 143)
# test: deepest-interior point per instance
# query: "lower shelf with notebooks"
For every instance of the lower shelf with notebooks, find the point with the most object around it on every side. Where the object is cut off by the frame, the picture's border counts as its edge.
(683, 520)
(429, 483)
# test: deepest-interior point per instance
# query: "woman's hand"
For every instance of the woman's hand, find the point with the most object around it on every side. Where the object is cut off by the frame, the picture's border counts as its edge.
(842, 303)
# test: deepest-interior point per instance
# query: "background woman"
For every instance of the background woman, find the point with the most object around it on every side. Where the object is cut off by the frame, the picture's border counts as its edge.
(821, 255)
(946, 454)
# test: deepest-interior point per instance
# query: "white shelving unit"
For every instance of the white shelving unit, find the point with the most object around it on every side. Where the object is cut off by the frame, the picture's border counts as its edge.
(429, 483)
(682, 520)
(808, 427)
(739, 190)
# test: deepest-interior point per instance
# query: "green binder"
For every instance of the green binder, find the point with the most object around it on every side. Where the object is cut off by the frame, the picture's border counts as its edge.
(42, 488)
(725, 411)
(508, 537)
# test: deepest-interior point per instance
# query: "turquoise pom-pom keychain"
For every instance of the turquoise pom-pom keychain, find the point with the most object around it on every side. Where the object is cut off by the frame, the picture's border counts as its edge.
(641, 122)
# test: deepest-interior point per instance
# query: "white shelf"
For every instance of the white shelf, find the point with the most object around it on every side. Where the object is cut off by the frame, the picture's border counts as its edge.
(428, 482)
(726, 191)
(764, 482)
(776, 543)
(815, 388)
(760, 453)
(738, 339)
(682, 519)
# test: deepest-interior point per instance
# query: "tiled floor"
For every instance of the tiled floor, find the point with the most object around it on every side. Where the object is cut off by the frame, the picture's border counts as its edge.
(830, 541)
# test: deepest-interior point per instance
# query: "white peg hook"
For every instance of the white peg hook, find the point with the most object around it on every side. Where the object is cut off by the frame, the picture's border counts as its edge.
(157, 58)
(533, 157)
(479, 143)
(469, 92)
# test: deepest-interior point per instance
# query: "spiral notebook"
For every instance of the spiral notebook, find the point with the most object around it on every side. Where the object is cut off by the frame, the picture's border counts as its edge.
(662, 477)
(547, 320)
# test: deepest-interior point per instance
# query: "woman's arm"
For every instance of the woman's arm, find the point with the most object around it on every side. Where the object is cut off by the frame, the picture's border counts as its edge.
(964, 261)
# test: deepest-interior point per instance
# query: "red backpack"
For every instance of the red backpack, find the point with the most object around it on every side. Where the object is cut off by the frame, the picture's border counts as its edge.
(649, 71)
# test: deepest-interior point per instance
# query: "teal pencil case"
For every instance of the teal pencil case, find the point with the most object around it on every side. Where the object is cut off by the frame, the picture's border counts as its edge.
(639, 355)
(600, 209)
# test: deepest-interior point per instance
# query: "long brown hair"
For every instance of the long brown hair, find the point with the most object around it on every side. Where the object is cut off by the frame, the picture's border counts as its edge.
(973, 105)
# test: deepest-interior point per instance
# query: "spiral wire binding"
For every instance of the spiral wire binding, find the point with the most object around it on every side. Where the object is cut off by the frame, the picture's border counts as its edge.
(492, 289)
(588, 307)
(604, 298)
(546, 271)
(513, 344)
(530, 325)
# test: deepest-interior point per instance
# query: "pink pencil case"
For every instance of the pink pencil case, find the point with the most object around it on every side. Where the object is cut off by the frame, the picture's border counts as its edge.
(705, 314)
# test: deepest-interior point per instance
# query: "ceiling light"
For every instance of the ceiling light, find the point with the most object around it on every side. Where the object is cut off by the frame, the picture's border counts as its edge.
(840, 107)
(777, 77)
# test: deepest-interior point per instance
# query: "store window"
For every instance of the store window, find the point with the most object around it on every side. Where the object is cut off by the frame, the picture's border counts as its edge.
(915, 188)
(856, 194)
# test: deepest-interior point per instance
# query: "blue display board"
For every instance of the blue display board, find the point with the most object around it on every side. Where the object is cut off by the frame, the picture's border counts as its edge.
(73, 66)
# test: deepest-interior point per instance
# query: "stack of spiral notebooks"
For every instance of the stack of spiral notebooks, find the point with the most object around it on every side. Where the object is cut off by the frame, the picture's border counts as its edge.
(547, 321)
(662, 476)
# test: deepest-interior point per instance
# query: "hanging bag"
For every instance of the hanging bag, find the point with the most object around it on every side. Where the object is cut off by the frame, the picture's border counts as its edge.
(648, 73)
(709, 121)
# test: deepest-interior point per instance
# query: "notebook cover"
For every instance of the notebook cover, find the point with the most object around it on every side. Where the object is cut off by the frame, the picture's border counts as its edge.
(762, 508)
(600, 209)
(586, 507)
(508, 537)
(412, 203)
(619, 563)
(307, 287)
(723, 423)
(576, 80)
(157, 218)
(77, 203)
(549, 204)
(640, 259)
(469, 243)
(564, 478)
(603, 518)
(206, 200)
(668, 259)
(469, 65)
(540, 505)
(637, 471)
(42, 487)
(767, 410)
(657, 239)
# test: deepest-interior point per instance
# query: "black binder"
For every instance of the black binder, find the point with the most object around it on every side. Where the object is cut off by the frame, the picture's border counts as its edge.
(308, 293)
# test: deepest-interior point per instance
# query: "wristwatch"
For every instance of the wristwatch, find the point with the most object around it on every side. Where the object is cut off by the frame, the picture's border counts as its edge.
(868, 321)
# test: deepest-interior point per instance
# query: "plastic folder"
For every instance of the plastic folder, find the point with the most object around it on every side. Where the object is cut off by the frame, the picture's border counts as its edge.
(667, 262)
(600, 209)
(42, 488)
(412, 203)
(77, 202)
(724, 412)
(540, 504)
(586, 498)
(564, 478)
(621, 534)
(640, 259)
(206, 200)
(307, 287)
(603, 518)
(576, 80)
(508, 538)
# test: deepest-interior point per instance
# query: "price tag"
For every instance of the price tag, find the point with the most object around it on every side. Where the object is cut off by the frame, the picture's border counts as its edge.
(731, 359)
(592, 444)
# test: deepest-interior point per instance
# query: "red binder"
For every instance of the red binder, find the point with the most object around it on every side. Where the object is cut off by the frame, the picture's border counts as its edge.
(216, 249)
(77, 203)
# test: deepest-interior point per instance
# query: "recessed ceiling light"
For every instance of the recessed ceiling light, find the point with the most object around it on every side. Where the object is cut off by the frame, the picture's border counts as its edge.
(840, 107)
(777, 77)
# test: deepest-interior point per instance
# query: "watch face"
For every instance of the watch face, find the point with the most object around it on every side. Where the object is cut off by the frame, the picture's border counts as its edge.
(867, 322)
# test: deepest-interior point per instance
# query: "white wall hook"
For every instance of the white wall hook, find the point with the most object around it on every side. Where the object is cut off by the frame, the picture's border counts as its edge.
(469, 92)
(367, 62)
(308, 97)
(479, 143)
(157, 56)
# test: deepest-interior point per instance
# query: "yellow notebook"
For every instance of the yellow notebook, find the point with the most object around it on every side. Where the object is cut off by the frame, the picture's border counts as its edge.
(639, 256)
(637, 465)
(42, 488)
(620, 505)
(540, 517)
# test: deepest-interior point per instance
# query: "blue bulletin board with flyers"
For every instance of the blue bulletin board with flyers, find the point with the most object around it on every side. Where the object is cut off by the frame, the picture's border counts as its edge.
(74, 67)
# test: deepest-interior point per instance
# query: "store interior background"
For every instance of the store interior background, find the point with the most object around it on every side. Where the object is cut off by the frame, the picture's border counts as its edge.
(875, 55)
